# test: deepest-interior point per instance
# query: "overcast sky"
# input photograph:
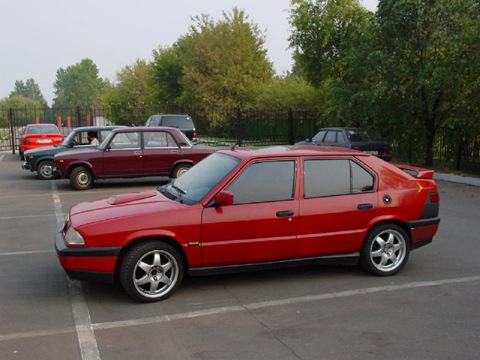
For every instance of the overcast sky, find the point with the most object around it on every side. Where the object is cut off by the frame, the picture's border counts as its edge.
(39, 37)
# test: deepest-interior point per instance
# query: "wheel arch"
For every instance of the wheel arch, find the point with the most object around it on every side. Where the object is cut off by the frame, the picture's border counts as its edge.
(75, 165)
(168, 240)
(398, 222)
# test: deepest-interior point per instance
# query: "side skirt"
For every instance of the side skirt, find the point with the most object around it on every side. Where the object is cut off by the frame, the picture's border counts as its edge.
(343, 259)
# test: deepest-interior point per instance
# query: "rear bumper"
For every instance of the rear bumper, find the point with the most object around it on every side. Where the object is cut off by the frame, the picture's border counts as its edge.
(422, 231)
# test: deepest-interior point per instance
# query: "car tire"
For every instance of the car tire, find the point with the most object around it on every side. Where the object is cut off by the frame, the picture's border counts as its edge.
(385, 250)
(45, 170)
(81, 178)
(180, 169)
(151, 271)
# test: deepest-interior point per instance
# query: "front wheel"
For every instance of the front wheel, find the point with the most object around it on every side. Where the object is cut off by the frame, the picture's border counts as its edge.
(151, 271)
(385, 250)
(45, 170)
(81, 178)
(180, 170)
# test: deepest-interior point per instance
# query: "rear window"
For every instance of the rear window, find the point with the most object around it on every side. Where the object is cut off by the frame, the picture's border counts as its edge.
(176, 121)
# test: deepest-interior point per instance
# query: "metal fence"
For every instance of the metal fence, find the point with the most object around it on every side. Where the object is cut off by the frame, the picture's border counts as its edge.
(457, 149)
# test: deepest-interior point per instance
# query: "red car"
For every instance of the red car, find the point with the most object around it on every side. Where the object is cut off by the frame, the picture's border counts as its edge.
(38, 135)
(131, 152)
(253, 209)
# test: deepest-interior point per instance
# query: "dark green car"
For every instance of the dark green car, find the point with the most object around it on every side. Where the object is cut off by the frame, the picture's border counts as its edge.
(41, 159)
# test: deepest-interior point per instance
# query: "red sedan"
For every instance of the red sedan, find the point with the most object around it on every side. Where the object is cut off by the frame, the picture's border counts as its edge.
(242, 209)
(38, 135)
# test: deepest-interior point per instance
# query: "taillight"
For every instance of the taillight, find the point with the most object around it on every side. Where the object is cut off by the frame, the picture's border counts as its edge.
(386, 152)
(194, 137)
(434, 197)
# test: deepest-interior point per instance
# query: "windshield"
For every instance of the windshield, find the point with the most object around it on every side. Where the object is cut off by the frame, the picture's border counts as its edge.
(192, 186)
(363, 135)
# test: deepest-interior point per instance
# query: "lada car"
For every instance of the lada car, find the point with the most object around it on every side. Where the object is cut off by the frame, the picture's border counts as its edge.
(41, 160)
(240, 210)
(131, 152)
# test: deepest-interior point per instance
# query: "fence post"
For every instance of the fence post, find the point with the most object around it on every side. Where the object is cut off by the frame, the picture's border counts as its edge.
(12, 130)
(291, 135)
(239, 128)
(79, 117)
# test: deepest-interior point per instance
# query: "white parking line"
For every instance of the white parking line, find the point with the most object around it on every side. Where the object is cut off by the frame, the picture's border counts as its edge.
(83, 324)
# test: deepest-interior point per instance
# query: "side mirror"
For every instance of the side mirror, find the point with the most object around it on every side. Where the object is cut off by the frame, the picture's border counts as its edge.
(224, 198)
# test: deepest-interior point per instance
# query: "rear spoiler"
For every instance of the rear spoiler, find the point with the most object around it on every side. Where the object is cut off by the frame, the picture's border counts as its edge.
(418, 172)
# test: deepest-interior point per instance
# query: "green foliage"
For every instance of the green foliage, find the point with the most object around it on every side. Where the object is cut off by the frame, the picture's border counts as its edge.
(168, 71)
(229, 62)
(130, 99)
(78, 85)
(28, 89)
(323, 33)
(409, 70)
(287, 93)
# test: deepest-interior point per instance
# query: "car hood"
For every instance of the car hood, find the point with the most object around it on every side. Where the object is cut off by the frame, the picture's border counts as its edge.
(81, 151)
(44, 150)
(122, 205)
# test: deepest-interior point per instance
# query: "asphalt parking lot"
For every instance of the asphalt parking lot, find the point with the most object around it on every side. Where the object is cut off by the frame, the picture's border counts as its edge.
(431, 310)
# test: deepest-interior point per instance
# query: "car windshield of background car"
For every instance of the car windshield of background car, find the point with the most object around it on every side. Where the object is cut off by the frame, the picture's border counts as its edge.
(192, 186)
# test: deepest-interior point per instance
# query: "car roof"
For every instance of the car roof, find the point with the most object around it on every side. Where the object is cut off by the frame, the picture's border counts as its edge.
(98, 128)
(291, 150)
(145, 129)
(42, 124)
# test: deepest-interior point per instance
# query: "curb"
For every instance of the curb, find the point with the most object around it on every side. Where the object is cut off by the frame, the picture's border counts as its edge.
(457, 179)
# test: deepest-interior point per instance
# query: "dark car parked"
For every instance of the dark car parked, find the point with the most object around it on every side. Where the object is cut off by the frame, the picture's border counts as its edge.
(183, 122)
(354, 138)
(41, 159)
(131, 152)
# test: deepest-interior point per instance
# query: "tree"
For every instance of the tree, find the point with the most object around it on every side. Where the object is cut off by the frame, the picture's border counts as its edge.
(431, 62)
(229, 62)
(323, 32)
(130, 98)
(168, 69)
(28, 89)
(78, 85)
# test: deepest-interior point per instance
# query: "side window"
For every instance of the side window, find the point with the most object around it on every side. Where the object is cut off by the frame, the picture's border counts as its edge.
(159, 139)
(319, 137)
(125, 141)
(362, 180)
(331, 137)
(335, 177)
(265, 181)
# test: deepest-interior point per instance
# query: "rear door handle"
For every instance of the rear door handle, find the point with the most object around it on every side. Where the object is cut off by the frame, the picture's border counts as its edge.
(137, 153)
(365, 206)
(284, 213)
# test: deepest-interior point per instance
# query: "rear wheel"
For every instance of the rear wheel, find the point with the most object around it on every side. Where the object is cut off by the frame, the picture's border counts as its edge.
(180, 170)
(385, 250)
(81, 178)
(151, 271)
(45, 170)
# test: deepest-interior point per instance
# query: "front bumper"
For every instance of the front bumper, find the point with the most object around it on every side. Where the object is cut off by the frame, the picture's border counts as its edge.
(27, 166)
(86, 263)
(57, 173)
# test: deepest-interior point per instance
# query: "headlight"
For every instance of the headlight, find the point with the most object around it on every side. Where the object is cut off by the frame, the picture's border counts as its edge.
(72, 237)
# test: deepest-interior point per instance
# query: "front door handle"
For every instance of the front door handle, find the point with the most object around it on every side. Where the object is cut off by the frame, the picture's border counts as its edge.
(137, 153)
(284, 213)
(365, 206)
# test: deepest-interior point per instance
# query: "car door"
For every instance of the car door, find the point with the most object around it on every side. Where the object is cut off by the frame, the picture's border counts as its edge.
(261, 224)
(160, 152)
(339, 201)
(123, 155)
